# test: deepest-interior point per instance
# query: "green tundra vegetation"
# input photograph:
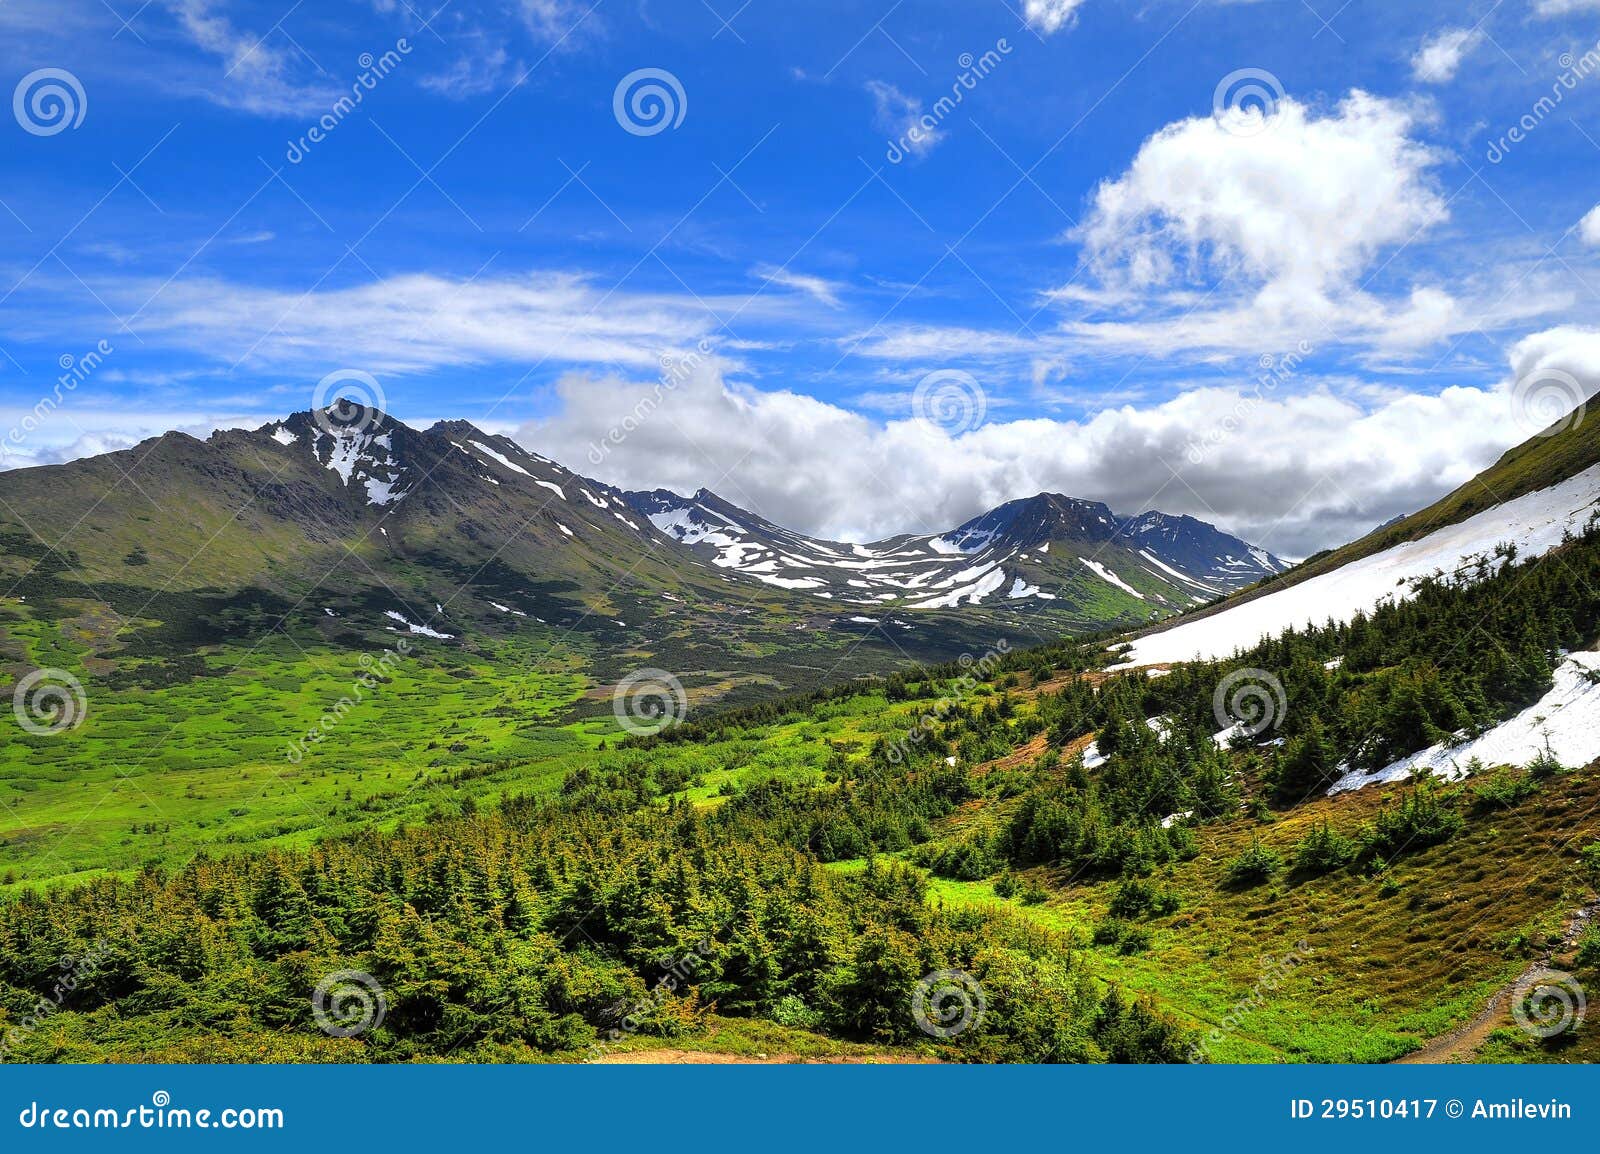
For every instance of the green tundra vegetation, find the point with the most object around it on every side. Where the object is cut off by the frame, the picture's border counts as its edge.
(818, 856)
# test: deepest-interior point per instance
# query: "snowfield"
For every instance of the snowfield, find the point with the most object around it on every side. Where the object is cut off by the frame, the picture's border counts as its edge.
(1534, 522)
(1567, 718)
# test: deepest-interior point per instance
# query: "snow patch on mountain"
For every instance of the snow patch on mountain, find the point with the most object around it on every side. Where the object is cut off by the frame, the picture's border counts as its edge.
(413, 627)
(1108, 575)
(500, 458)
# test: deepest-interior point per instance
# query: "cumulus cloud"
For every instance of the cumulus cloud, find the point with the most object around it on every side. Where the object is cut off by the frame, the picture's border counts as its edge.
(1306, 203)
(1589, 226)
(1273, 228)
(1569, 349)
(1294, 471)
(1051, 16)
(1440, 56)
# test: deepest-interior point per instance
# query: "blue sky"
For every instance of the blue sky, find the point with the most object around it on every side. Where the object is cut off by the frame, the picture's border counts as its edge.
(1107, 251)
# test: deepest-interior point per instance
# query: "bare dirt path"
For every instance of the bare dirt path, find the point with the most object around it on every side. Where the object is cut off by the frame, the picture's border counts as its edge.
(1462, 1042)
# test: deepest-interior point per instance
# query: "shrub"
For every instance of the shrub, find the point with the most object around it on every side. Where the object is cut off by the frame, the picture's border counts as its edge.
(1590, 856)
(1128, 939)
(1424, 818)
(1254, 866)
(1546, 764)
(1324, 850)
(1504, 788)
(1137, 898)
(1006, 885)
(1589, 949)
(1109, 931)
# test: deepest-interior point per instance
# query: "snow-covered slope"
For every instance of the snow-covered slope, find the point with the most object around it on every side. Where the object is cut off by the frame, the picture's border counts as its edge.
(1535, 523)
(1565, 720)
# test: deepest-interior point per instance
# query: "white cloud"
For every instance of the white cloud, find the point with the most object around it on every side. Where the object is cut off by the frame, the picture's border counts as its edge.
(558, 21)
(902, 118)
(481, 69)
(1051, 16)
(821, 289)
(1273, 229)
(417, 322)
(1589, 226)
(1440, 56)
(1563, 7)
(1568, 349)
(1295, 472)
(256, 72)
(1307, 202)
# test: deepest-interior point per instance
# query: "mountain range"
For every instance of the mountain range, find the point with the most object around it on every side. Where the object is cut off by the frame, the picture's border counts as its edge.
(359, 522)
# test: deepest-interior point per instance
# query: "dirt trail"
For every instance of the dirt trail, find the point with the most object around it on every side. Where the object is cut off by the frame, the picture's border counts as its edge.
(1462, 1042)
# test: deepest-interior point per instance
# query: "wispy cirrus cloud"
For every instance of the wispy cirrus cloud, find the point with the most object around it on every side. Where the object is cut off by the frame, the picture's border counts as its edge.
(818, 288)
(901, 118)
(259, 74)
(1440, 56)
(414, 322)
